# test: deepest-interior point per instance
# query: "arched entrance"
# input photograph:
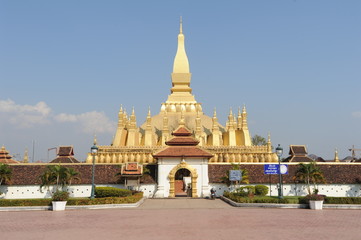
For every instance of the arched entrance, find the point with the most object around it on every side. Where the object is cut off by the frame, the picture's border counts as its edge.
(182, 183)
(178, 172)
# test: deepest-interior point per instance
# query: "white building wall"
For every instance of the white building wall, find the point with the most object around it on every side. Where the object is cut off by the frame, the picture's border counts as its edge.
(165, 165)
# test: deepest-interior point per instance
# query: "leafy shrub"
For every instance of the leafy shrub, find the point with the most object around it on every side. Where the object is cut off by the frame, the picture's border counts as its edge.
(261, 190)
(60, 196)
(102, 192)
(313, 197)
(245, 191)
(108, 200)
(72, 201)
(342, 200)
(24, 202)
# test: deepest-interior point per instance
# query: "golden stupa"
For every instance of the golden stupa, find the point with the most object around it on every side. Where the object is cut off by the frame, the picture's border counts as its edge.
(229, 144)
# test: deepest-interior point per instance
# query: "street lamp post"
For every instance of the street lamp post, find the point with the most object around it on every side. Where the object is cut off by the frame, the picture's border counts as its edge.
(94, 151)
(279, 151)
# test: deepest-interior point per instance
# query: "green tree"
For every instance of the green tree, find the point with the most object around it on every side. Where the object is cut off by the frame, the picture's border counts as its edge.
(71, 174)
(59, 176)
(244, 172)
(5, 173)
(309, 174)
(258, 140)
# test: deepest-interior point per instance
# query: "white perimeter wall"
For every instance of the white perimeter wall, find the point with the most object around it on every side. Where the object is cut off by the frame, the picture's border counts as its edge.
(331, 190)
(33, 191)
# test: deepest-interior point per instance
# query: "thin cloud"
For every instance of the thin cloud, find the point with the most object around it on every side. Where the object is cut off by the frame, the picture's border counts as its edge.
(90, 122)
(24, 116)
(356, 114)
(28, 116)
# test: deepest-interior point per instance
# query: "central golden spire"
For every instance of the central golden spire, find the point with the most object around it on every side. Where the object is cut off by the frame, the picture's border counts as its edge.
(181, 64)
(181, 97)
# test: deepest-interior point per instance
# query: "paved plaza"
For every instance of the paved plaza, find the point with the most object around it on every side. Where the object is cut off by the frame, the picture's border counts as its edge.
(182, 219)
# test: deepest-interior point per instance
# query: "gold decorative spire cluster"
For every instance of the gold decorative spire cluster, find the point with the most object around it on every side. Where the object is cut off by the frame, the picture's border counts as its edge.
(232, 143)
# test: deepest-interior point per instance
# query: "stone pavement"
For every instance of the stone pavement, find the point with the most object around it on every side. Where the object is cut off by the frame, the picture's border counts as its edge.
(180, 203)
(182, 219)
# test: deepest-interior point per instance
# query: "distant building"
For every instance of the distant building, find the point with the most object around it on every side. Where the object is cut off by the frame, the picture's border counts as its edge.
(65, 155)
(298, 153)
(5, 156)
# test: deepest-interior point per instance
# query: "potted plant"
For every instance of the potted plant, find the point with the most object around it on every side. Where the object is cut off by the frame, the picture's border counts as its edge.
(59, 200)
(315, 200)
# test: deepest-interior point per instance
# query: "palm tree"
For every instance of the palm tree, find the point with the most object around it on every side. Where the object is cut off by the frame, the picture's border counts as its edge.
(5, 173)
(309, 173)
(71, 174)
(57, 175)
(244, 172)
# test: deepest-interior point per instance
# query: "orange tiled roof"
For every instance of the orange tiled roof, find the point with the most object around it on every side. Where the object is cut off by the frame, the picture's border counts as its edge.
(132, 169)
(182, 141)
(183, 151)
(181, 131)
(182, 145)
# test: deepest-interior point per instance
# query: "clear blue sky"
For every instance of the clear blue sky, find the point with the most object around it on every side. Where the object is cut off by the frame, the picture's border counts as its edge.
(66, 66)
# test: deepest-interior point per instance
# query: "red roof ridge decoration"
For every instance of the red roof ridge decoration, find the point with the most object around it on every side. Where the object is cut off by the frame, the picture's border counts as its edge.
(181, 131)
(131, 169)
(182, 145)
(182, 136)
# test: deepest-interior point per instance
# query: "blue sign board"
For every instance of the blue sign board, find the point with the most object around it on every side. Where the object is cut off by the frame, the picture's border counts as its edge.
(274, 169)
(235, 175)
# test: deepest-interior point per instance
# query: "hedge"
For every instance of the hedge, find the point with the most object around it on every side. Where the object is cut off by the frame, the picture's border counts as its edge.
(24, 202)
(72, 201)
(342, 200)
(258, 199)
(261, 190)
(101, 192)
(107, 200)
(289, 200)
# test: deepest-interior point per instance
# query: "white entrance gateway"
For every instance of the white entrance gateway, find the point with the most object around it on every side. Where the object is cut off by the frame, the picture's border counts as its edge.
(182, 167)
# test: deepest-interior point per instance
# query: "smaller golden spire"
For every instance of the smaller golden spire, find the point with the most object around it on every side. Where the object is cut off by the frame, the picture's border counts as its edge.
(181, 25)
(149, 120)
(269, 144)
(239, 118)
(244, 108)
(26, 156)
(336, 156)
(214, 113)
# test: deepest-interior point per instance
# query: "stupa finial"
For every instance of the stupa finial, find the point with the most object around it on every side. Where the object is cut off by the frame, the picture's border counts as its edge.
(95, 139)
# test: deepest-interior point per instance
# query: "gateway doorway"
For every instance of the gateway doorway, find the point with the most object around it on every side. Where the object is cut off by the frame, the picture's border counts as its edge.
(183, 183)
